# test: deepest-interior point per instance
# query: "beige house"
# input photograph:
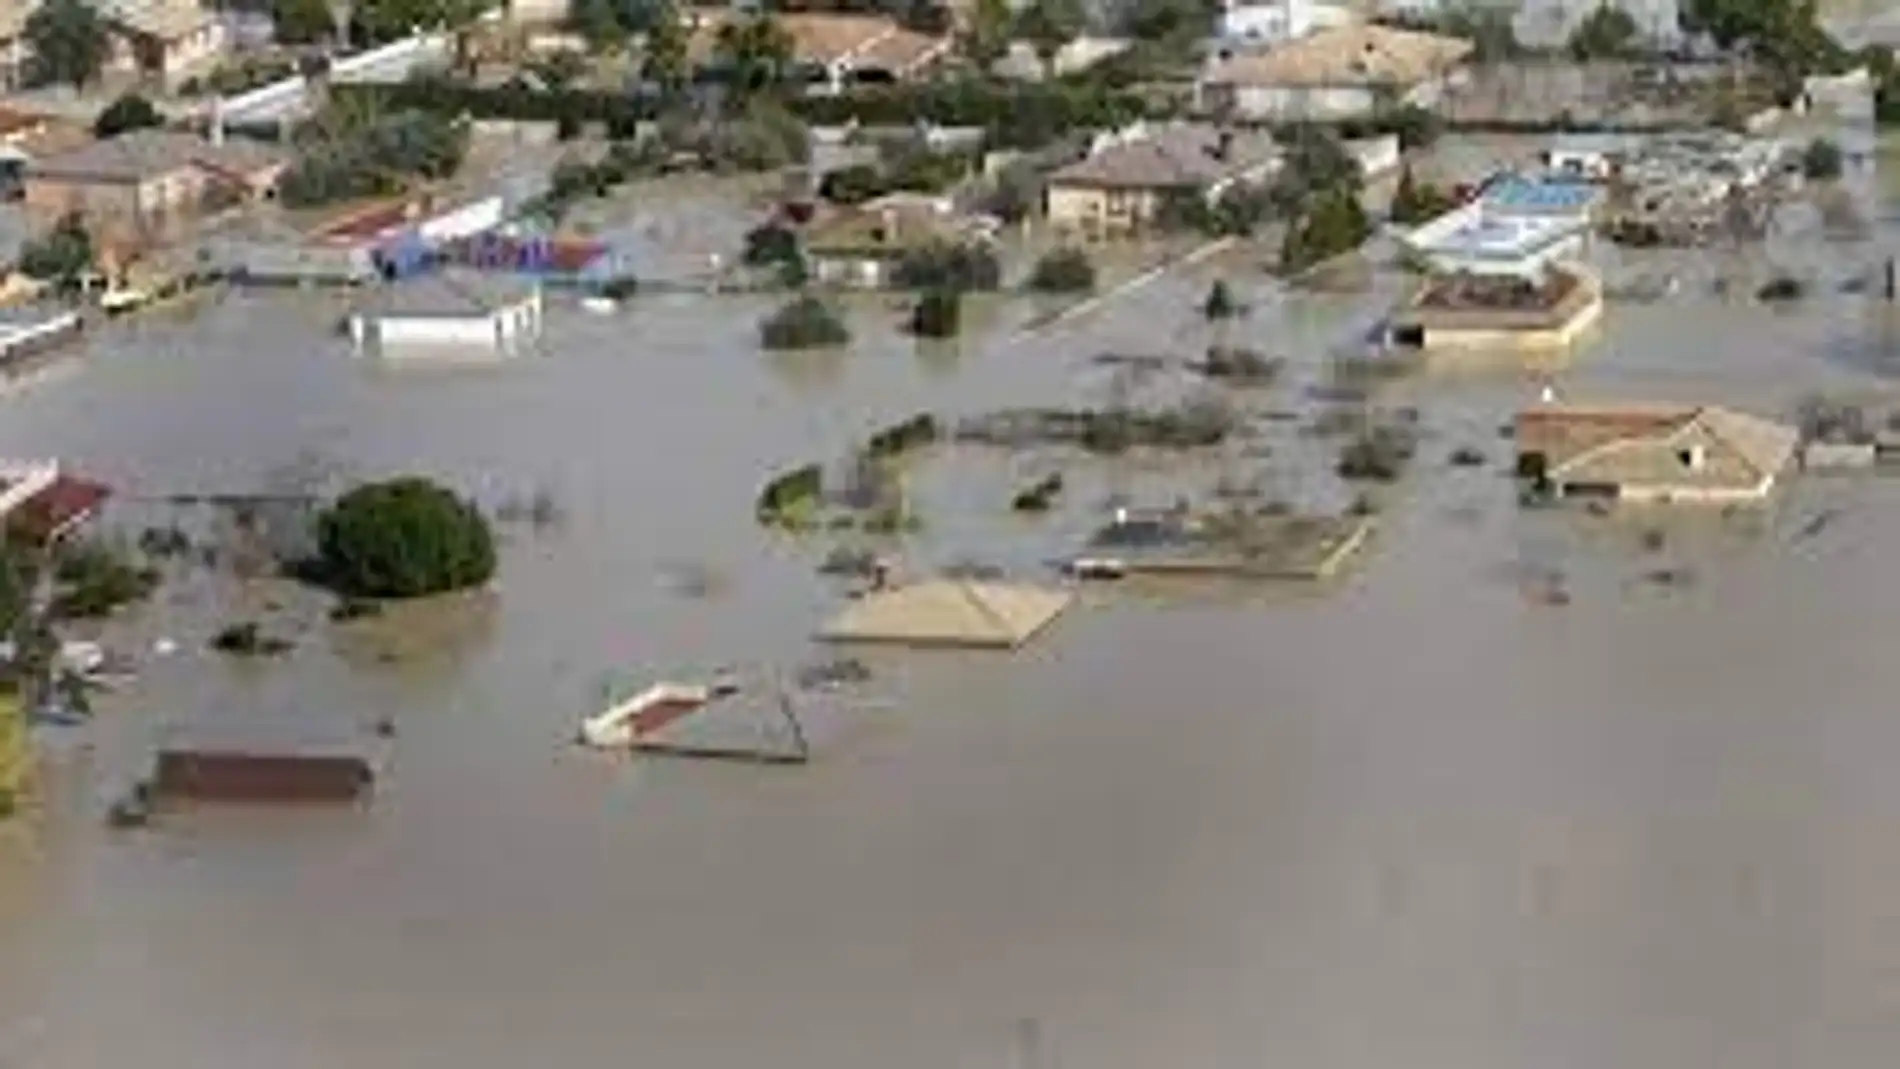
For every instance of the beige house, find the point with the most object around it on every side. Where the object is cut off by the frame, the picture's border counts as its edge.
(143, 183)
(1128, 177)
(1337, 73)
(1652, 453)
(165, 41)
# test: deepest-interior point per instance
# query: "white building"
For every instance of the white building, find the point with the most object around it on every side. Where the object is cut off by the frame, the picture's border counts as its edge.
(453, 313)
(1269, 22)
(1338, 73)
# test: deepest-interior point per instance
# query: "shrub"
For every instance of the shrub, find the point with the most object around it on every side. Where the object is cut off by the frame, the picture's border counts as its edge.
(918, 430)
(799, 488)
(403, 538)
(949, 266)
(373, 158)
(93, 579)
(1220, 302)
(1821, 161)
(852, 185)
(770, 243)
(1334, 224)
(246, 640)
(1414, 202)
(1064, 270)
(806, 323)
(127, 113)
(60, 256)
(938, 314)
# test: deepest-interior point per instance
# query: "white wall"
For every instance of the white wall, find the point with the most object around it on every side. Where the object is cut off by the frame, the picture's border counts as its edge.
(464, 222)
(1285, 103)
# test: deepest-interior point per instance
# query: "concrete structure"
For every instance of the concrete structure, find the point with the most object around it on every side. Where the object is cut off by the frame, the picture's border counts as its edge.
(1478, 239)
(1022, 63)
(859, 247)
(838, 50)
(148, 180)
(945, 612)
(453, 313)
(1128, 177)
(1595, 157)
(1652, 453)
(1375, 156)
(283, 102)
(1338, 73)
(1467, 313)
(26, 335)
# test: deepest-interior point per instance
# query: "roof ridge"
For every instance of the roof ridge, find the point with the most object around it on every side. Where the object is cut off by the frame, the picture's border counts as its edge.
(969, 590)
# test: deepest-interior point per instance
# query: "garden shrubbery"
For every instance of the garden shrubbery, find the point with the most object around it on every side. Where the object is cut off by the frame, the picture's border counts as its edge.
(1064, 270)
(806, 323)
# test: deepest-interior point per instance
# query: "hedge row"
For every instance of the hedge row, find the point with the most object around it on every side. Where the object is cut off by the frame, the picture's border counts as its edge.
(898, 438)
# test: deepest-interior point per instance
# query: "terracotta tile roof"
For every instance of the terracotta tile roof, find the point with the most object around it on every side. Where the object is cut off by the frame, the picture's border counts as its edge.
(1180, 156)
(144, 154)
(1347, 55)
(68, 501)
(1625, 442)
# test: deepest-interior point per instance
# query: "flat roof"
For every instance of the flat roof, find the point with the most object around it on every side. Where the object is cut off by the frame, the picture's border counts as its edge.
(1524, 194)
(1491, 235)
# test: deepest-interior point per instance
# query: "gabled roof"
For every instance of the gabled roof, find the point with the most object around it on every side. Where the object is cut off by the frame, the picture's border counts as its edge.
(144, 154)
(871, 41)
(1575, 437)
(945, 612)
(448, 294)
(1176, 156)
(1347, 55)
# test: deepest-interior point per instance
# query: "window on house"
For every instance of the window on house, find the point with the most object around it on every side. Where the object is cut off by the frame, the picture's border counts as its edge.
(1691, 457)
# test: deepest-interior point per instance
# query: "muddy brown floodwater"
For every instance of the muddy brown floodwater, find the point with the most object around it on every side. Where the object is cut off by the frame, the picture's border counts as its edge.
(1420, 821)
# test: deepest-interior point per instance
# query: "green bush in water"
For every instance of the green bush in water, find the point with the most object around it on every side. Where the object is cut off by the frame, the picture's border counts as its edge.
(403, 538)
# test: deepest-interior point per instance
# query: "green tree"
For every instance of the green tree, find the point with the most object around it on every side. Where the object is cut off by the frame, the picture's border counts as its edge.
(1316, 162)
(402, 538)
(129, 112)
(756, 52)
(806, 323)
(1334, 223)
(1414, 202)
(61, 256)
(1063, 270)
(663, 59)
(1606, 33)
(1821, 160)
(1166, 20)
(69, 42)
(1048, 25)
(1220, 303)
(986, 38)
(299, 22)
(599, 22)
(938, 314)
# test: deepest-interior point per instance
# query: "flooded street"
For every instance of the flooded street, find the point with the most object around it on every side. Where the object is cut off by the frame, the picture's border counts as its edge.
(1416, 821)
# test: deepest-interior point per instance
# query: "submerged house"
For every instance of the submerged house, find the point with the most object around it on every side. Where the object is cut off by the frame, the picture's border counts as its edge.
(861, 247)
(950, 612)
(451, 311)
(254, 765)
(1129, 177)
(1653, 453)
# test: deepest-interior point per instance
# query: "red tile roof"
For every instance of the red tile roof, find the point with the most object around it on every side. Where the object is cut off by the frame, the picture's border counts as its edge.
(51, 512)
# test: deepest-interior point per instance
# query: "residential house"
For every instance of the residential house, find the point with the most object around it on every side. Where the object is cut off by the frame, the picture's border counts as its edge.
(1653, 453)
(143, 182)
(839, 51)
(1127, 178)
(1336, 73)
(860, 247)
(165, 41)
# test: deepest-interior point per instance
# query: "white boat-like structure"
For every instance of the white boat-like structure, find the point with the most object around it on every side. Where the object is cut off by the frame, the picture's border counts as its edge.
(717, 719)
(624, 723)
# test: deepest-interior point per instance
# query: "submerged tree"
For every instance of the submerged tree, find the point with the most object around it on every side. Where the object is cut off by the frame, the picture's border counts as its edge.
(402, 538)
